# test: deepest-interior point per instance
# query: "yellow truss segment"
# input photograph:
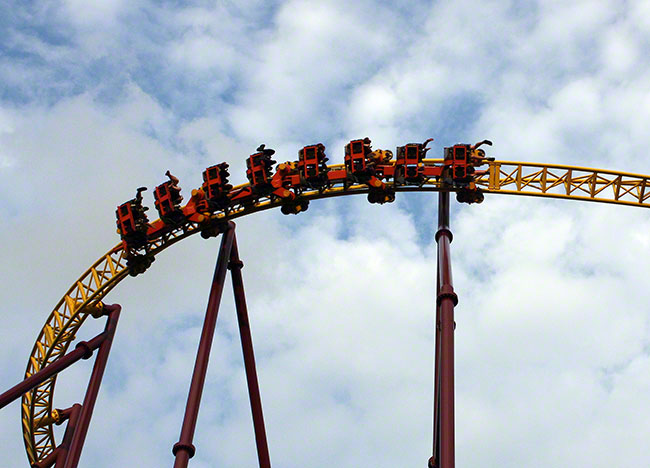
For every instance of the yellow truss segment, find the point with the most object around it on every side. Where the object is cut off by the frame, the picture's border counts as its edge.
(513, 178)
(547, 180)
(54, 339)
(571, 182)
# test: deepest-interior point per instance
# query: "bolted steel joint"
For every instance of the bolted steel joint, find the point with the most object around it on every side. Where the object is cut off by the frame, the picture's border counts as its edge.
(53, 418)
(64, 415)
(108, 308)
(444, 231)
(99, 309)
(235, 264)
(189, 448)
(87, 351)
(96, 309)
(447, 292)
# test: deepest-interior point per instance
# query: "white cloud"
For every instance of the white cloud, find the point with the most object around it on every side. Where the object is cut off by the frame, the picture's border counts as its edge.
(620, 52)
(315, 51)
(210, 38)
(93, 13)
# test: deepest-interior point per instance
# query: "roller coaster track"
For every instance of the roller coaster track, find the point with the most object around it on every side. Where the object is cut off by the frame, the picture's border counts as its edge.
(511, 178)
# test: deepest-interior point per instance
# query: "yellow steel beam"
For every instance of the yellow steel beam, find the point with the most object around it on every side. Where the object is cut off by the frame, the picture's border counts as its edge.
(503, 177)
(568, 182)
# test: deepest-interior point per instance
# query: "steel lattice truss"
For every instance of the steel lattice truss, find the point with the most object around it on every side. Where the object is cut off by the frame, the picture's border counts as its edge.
(576, 183)
(512, 178)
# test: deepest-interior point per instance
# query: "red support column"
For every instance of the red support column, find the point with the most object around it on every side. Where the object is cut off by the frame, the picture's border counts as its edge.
(434, 460)
(446, 301)
(249, 357)
(183, 450)
(59, 454)
(64, 446)
(82, 424)
(83, 350)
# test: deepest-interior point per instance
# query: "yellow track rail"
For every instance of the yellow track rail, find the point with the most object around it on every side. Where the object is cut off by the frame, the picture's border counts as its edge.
(575, 183)
(513, 178)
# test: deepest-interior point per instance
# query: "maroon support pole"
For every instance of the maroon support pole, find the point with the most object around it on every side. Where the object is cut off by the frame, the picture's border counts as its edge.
(67, 436)
(446, 301)
(433, 461)
(82, 424)
(83, 350)
(249, 357)
(183, 450)
(59, 454)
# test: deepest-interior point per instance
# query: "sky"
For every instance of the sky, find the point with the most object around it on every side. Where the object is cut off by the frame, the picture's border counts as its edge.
(98, 98)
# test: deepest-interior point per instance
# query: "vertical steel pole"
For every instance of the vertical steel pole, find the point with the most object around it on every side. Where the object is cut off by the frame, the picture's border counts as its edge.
(249, 357)
(435, 458)
(82, 424)
(183, 450)
(446, 301)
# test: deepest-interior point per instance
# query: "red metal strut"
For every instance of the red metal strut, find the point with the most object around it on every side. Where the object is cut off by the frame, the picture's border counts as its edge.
(249, 357)
(67, 454)
(59, 454)
(436, 380)
(63, 447)
(83, 350)
(228, 257)
(443, 430)
(183, 450)
(81, 425)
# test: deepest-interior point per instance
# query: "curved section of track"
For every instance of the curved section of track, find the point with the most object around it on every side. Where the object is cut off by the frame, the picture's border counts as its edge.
(512, 178)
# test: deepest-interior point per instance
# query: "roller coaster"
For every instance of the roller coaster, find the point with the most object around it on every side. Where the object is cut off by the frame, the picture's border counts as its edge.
(465, 170)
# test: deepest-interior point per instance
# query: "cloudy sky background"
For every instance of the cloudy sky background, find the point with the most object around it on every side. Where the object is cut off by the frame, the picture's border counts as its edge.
(553, 337)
